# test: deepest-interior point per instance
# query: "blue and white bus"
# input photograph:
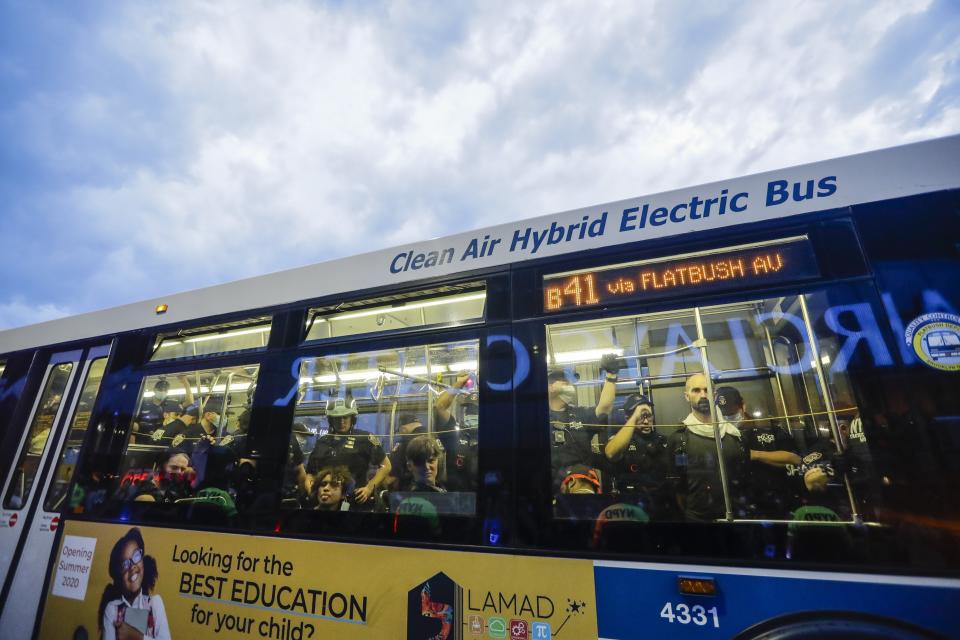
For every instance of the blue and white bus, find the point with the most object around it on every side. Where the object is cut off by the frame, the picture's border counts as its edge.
(731, 410)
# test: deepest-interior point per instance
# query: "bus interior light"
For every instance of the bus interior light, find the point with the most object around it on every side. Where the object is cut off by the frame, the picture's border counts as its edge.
(564, 357)
(407, 307)
(229, 334)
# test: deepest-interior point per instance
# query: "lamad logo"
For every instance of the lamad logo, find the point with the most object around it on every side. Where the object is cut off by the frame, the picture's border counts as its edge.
(434, 610)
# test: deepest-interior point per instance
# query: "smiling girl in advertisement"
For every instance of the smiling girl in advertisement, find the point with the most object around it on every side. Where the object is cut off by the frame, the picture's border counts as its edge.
(127, 610)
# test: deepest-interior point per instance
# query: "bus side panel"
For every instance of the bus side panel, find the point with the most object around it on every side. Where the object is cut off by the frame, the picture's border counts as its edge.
(642, 602)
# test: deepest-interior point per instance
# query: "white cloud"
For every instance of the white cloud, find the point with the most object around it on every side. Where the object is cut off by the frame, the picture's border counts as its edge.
(17, 313)
(278, 134)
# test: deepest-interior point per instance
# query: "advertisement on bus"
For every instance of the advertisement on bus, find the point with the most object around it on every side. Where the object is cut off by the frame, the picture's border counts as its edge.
(125, 581)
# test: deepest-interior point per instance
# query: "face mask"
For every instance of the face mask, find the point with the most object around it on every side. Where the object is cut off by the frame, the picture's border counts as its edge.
(160, 395)
(567, 394)
(735, 419)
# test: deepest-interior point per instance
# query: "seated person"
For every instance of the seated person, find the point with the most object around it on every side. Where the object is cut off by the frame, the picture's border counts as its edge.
(823, 471)
(423, 455)
(172, 480)
(330, 489)
(410, 426)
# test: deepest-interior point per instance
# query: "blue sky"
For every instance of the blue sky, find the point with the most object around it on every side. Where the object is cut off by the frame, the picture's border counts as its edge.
(150, 148)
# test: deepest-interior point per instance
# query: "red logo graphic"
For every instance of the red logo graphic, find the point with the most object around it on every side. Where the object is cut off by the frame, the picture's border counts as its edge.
(13, 520)
(54, 523)
(519, 630)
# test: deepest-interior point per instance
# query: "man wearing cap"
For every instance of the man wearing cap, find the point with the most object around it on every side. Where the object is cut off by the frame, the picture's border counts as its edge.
(153, 410)
(204, 427)
(572, 442)
(179, 426)
(154, 414)
(354, 448)
(770, 492)
(696, 469)
(640, 459)
(459, 438)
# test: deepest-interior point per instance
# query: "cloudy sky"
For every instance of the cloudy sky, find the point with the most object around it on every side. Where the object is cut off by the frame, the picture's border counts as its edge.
(155, 147)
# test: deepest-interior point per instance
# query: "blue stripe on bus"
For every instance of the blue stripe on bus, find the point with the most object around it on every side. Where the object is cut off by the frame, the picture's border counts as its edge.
(630, 602)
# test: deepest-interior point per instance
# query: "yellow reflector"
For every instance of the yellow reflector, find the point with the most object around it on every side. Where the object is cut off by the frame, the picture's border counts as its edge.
(161, 308)
(696, 586)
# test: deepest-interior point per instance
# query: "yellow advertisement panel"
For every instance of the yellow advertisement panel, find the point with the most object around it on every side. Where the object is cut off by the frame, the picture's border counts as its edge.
(134, 582)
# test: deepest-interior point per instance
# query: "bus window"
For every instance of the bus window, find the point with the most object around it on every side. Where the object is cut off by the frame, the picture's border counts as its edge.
(43, 422)
(188, 442)
(253, 333)
(460, 304)
(617, 394)
(392, 423)
(635, 421)
(63, 473)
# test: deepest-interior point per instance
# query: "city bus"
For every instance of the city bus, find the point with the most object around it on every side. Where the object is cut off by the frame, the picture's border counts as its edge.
(729, 410)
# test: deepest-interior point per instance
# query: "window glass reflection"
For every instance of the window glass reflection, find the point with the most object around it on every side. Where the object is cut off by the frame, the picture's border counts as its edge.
(733, 412)
(188, 441)
(70, 452)
(387, 427)
(44, 421)
(253, 333)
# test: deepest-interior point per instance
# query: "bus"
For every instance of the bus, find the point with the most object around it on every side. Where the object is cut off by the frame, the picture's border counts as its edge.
(730, 410)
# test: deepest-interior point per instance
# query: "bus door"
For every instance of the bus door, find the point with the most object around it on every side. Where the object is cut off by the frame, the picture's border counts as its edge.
(35, 492)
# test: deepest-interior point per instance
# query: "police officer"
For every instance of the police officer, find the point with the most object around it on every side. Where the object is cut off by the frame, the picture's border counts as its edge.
(178, 427)
(354, 448)
(203, 429)
(459, 437)
(572, 442)
(770, 492)
(150, 416)
(822, 471)
(640, 458)
(155, 413)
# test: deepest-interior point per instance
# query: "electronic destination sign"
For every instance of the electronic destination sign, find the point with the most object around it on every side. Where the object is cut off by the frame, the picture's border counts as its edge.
(732, 268)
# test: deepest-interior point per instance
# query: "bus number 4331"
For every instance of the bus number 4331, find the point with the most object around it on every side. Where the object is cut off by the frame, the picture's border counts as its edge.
(685, 614)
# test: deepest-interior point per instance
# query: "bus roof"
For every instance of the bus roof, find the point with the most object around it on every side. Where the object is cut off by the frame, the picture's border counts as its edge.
(922, 167)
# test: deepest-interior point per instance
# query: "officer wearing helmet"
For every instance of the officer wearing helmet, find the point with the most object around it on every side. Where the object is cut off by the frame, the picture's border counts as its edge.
(353, 448)
(639, 457)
